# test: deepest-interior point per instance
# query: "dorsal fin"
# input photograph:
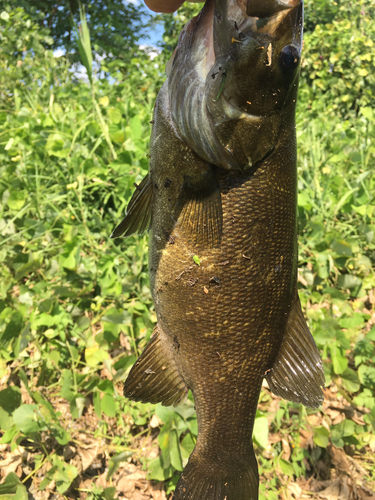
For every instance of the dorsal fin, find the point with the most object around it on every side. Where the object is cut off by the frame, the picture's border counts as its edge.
(297, 374)
(138, 212)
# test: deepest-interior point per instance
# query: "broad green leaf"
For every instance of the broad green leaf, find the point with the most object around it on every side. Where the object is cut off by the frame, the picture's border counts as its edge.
(350, 380)
(366, 375)
(348, 281)
(286, 467)
(115, 115)
(260, 433)
(187, 445)
(67, 385)
(17, 199)
(10, 398)
(321, 436)
(108, 405)
(27, 419)
(176, 460)
(95, 355)
(342, 247)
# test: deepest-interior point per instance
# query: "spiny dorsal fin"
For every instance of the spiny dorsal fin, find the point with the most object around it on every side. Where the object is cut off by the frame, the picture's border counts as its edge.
(155, 377)
(297, 374)
(200, 211)
(138, 212)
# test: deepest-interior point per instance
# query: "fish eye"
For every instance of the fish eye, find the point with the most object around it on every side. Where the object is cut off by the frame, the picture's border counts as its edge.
(289, 58)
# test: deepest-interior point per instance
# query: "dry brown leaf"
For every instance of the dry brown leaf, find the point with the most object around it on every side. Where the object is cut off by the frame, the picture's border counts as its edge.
(130, 479)
(274, 438)
(339, 459)
(155, 421)
(12, 461)
(295, 490)
(157, 491)
(306, 439)
(286, 449)
(102, 480)
(314, 420)
(338, 490)
(88, 455)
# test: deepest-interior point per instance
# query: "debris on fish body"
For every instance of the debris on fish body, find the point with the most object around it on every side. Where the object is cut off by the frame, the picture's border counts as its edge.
(220, 200)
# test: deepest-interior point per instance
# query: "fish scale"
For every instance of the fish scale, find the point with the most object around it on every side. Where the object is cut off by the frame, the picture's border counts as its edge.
(221, 202)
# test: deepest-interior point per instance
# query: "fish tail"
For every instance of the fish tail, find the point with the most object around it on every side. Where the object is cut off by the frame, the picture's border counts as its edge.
(206, 480)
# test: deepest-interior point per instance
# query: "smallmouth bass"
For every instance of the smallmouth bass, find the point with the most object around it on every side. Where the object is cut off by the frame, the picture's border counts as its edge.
(221, 202)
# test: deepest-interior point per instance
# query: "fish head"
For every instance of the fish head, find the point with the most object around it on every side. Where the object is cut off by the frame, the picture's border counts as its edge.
(235, 79)
(258, 46)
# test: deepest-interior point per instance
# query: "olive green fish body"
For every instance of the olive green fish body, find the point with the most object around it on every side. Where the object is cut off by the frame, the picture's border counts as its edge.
(221, 202)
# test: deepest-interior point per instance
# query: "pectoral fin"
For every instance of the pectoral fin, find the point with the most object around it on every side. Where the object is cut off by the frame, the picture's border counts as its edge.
(155, 377)
(138, 212)
(200, 210)
(297, 374)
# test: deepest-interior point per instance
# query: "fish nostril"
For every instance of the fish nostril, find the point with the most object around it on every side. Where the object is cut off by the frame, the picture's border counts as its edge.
(267, 8)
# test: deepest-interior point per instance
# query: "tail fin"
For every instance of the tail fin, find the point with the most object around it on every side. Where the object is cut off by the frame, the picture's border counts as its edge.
(201, 480)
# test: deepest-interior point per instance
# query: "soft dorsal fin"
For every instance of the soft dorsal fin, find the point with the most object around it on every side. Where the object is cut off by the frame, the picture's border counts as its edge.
(297, 374)
(138, 212)
(154, 377)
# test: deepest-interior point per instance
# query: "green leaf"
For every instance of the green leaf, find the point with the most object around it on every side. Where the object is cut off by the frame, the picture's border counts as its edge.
(114, 462)
(345, 429)
(108, 405)
(27, 419)
(348, 281)
(157, 471)
(176, 460)
(115, 115)
(64, 474)
(340, 363)
(95, 355)
(187, 446)
(350, 380)
(67, 385)
(260, 433)
(197, 260)
(366, 375)
(10, 399)
(109, 493)
(10, 484)
(342, 247)
(16, 200)
(9, 435)
(368, 113)
(286, 467)
(321, 437)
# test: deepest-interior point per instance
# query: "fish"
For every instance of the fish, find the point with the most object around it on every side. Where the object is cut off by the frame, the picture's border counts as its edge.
(220, 202)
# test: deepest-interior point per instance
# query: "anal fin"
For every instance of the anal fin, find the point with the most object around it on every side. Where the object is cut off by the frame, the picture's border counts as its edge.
(138, 212)
(154, 377)
(297, 374)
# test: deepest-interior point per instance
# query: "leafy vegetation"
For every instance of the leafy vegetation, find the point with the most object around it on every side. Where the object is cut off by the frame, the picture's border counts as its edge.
(75, 306)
